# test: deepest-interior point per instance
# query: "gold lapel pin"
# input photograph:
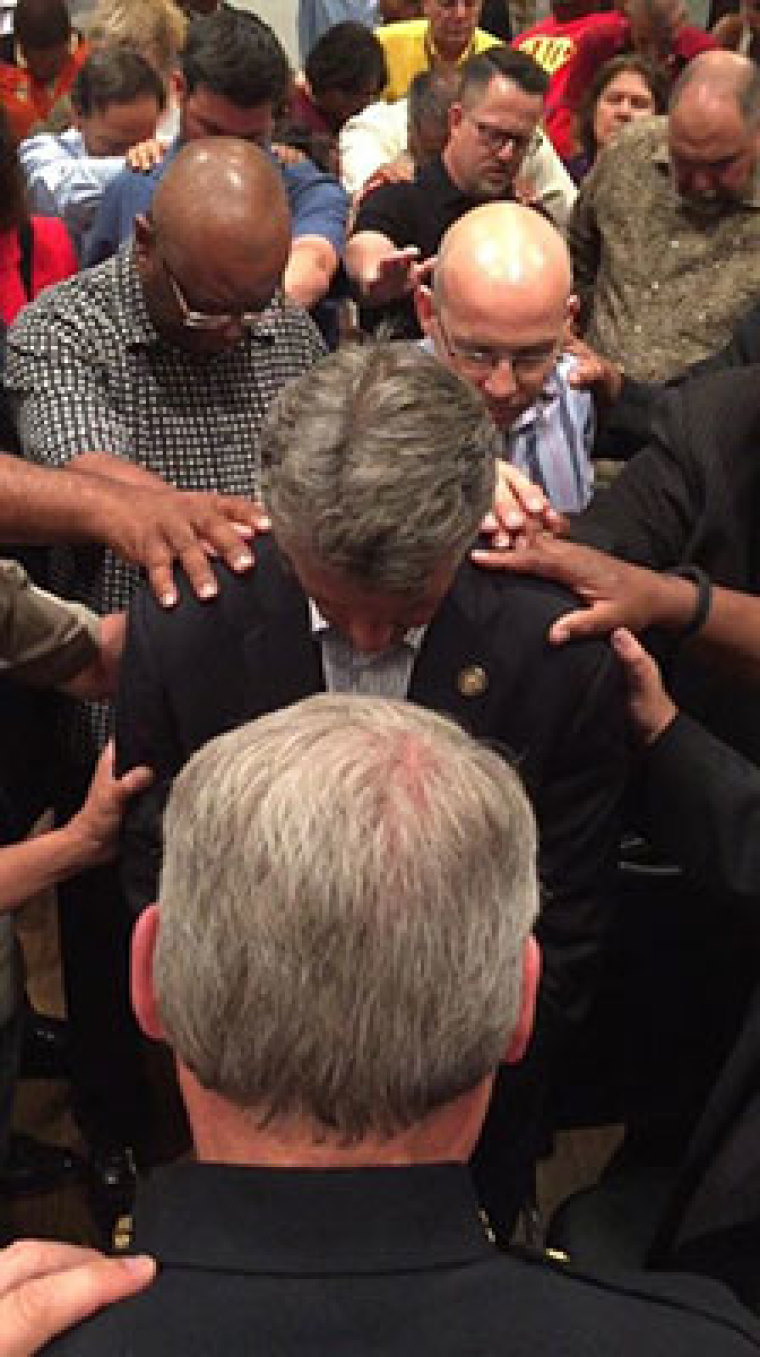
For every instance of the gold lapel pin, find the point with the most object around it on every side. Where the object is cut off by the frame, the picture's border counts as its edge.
(472, 681)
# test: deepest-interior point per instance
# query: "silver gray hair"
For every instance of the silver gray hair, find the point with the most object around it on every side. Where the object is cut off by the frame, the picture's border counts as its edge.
(379, 463)
(347, 889)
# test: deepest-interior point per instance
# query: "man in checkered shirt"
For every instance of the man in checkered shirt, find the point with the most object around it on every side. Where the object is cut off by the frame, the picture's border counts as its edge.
(157, 366)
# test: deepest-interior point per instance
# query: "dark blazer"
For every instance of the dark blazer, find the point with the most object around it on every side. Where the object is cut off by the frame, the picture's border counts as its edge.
(200, 669)
(693, 496)
(391, 1262)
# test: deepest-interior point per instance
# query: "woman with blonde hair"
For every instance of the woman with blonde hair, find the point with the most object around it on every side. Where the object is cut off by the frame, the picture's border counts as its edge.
(154, 28)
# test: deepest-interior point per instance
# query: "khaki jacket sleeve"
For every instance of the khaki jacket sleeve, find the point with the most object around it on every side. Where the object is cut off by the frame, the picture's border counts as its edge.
(44, 640)
(546, 175)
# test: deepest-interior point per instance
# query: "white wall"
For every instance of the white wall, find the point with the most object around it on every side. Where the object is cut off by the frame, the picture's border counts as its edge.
(281, 14)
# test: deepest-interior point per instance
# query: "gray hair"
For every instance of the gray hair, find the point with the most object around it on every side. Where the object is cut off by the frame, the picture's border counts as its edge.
(347, 889)
(379, 463)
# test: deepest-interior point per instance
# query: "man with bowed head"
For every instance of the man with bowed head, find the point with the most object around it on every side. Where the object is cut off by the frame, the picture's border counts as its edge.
(353, 880)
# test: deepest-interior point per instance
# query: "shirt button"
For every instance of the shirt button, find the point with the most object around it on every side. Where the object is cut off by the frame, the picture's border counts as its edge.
(637, 329)
(674, 244)
(655, 286)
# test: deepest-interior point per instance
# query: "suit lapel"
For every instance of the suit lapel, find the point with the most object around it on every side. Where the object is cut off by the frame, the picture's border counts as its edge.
(282, 661)
(454, 654)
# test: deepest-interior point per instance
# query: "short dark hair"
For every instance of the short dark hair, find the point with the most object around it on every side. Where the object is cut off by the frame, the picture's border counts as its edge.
(654, 79)
(115, 75)
(38, 24)
(349, 58)
(237, 56)
(13, 205)
(507, 63)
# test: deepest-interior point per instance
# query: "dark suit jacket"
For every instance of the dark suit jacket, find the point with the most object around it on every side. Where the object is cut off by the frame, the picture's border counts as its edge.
(201, 669)
(693, 496)
(389, 1262)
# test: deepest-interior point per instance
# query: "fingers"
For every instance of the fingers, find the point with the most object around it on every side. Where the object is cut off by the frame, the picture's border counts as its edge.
(596, 620)
(46, 1288)
(135, 781)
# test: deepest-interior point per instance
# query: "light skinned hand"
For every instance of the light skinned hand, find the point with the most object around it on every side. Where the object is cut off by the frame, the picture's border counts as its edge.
(519, 508)
(96, 826)
(145, 155)
(650, 708)
(397, 274)
(45, 1288)
(593, 372)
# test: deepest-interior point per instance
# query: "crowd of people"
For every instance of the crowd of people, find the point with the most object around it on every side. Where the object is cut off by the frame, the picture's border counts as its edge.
(379, 622)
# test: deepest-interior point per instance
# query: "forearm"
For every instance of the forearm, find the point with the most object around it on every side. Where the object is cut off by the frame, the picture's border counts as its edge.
(62, 504)
(112, 468)
(39, 863)
(309, 271)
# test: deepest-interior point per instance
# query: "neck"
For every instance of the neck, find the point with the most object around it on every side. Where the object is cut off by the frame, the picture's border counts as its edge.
(442, 53)
(225, 1134)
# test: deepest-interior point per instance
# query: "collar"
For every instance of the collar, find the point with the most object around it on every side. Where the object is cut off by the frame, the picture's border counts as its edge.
(139, 330)
(750, 196)
(549, 395)
(319, 624)
(310, 1222)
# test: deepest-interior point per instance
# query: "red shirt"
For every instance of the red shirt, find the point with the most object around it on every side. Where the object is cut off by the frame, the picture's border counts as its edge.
(53, 258)
(26, 101)
(571, 54)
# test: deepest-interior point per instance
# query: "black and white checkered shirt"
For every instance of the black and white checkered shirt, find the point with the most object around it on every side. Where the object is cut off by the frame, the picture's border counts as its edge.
(88, 372)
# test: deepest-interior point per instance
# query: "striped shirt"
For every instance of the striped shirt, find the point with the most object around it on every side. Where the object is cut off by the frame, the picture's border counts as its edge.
(386, 674)
(551, 442)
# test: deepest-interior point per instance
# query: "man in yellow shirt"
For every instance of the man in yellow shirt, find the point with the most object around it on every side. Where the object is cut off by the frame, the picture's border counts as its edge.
(444, 37)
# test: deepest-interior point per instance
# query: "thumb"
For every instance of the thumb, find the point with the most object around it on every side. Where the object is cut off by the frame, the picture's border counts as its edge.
(637, 662)
(136, 780)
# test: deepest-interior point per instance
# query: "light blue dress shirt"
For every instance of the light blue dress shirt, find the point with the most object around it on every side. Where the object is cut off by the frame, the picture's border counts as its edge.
(64, 181)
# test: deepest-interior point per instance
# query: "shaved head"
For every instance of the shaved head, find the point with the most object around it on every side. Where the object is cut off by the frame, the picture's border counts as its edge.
(222, 192)
(503, 258)
(220, 228)
(499, 304)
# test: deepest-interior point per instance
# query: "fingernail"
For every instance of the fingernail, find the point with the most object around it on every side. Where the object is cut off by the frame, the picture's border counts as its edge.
(208, 591)
(168, 599)
(514, 521)
(535, 505)
(140, 1264)
(243, 560)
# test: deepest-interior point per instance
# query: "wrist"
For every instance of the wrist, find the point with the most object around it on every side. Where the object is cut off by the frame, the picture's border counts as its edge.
(700, 589)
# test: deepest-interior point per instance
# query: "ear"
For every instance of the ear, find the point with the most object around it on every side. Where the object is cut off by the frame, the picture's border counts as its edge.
(526, 1017)
(456, 114)
(423, 306)
(144, 941)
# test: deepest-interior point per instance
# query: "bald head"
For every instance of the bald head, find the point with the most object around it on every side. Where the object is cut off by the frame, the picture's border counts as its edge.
(218, 239)
(222, 191)
(506, 259)
(714, 130)
(499, 304)
(713, 79)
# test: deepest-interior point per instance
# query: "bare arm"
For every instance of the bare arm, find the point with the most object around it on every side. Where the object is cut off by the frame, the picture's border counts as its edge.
(154, 526)
(310, 270)
(617, 594)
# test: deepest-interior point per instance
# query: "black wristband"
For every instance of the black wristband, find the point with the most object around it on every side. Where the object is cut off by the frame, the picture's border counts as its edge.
(704, 597)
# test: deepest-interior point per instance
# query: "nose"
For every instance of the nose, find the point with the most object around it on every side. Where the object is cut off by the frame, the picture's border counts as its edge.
(369, 637)
(507, 151)
(501, 380)
(700, 182)
(624, 111)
